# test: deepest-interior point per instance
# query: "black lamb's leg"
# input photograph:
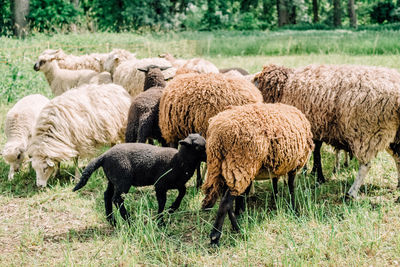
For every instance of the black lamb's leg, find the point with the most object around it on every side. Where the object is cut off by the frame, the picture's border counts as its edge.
(161, 199)
(291, 176)
(240, 201)
(178, 200)
(119, 203)
(199, 180)
(108, 195)
(317, 166)
(224, 207)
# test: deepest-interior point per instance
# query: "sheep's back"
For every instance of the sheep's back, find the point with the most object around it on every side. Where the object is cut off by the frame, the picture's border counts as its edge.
(80, 120)
(351, 106)
(244, 140)
(189, 100)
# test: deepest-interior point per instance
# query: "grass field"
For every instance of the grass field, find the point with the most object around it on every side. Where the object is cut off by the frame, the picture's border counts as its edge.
(53, 226)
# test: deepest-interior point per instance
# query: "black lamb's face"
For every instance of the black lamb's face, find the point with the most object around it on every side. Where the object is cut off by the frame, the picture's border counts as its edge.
(197, 144)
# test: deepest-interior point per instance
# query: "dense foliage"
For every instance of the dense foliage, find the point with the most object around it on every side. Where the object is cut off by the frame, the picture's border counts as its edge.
(135, 15)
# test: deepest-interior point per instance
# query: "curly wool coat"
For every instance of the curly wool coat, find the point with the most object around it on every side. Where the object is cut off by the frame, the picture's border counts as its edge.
(355, 108)
(255, 141)
(189, 100)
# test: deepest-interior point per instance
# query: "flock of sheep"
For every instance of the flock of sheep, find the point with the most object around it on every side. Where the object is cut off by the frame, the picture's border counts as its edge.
(246, 127)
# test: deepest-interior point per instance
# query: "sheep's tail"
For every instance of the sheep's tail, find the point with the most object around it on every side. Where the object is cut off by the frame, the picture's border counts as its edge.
(87, 172)
(214, 183)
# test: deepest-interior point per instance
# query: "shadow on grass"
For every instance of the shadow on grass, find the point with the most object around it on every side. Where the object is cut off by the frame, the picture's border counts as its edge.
(81, 235)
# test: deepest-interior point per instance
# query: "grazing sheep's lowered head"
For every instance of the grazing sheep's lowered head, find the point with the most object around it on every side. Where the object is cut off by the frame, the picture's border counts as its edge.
(14, 154)
(272, 79)
(44, 168)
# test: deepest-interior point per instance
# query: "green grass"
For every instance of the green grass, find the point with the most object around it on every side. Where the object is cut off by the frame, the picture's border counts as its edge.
(55, 226)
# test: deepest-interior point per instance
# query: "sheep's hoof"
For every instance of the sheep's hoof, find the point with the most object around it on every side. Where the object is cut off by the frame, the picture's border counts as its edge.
(171, 209)
(112, 221)
(215, 236)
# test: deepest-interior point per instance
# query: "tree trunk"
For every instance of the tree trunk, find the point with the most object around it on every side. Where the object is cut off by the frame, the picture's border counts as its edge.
(315, 11)
(352, 14)
(283, 12)
(292, 14)
(337, 13)
(20, 10)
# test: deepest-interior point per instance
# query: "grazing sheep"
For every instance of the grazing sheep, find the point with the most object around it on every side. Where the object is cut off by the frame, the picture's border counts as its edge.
(115, 58)
(127, 75)
(93, 61)
(176, 63)
(127, 165)
(101, 78)
(76, 124)
(61, 80)
(255, 141)
(355, 108)
(189, 100)
(143, 113)
(240, 70)
(20, 120)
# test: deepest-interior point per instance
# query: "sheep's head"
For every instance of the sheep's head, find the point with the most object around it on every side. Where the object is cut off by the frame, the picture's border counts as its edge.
(44, 168)
(13, 155)
(43, 62)
(271, 81)
(153, 76)
(195, 145)
(116, 57)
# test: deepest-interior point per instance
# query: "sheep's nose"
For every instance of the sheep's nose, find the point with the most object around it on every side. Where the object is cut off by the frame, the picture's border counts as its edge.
(36, 66)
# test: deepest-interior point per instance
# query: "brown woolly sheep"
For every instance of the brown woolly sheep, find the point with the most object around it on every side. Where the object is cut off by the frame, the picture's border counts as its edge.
(255, 141)
(355, 108)
(189, 100)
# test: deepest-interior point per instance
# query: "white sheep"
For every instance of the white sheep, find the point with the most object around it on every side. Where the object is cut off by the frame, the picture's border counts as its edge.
(76, 124)
(127, 75)
(115, 58)
(61, 80)
(19, 124)
(92, 61)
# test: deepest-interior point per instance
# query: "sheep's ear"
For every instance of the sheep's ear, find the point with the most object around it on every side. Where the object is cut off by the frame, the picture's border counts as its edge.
(185, 142)
(146, 69)
(164, 68)
(97, 59)
(49, 162)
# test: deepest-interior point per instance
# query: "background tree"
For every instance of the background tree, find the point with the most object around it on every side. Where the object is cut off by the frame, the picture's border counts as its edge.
(315, 11)
(283, 12)
(20, 11)
(337, 13)
(352, 14)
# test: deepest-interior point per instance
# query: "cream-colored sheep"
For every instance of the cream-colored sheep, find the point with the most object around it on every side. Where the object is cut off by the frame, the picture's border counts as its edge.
(20, 120)
(61, 80)
(127, 75)
(92, 61)
(176, 63)
(76, 124)
(115, 58)
(200, 65)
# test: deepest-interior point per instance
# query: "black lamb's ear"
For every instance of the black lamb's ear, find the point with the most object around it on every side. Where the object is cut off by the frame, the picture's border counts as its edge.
(185, 142)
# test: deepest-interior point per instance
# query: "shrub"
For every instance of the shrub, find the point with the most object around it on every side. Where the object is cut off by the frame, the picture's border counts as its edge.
(384, 12)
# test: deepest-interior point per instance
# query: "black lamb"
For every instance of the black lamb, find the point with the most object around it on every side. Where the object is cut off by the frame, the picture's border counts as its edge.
(136, 164)
(143, 112)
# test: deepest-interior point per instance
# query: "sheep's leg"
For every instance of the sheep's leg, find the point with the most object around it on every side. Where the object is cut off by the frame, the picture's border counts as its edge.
(346, 159)
(291, 176)
(58, 169)
(119, 203)
(199, 180)
(362, 172)
(240, 200)
(337, 161)
(317, 166)
(275, 191)
(161, 199)
(108, 194)
(178, 200)
(224, 207)
(394, 151)
(77, 171)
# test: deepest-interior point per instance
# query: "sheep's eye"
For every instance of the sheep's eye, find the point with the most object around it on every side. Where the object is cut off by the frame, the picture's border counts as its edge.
(41, 62)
